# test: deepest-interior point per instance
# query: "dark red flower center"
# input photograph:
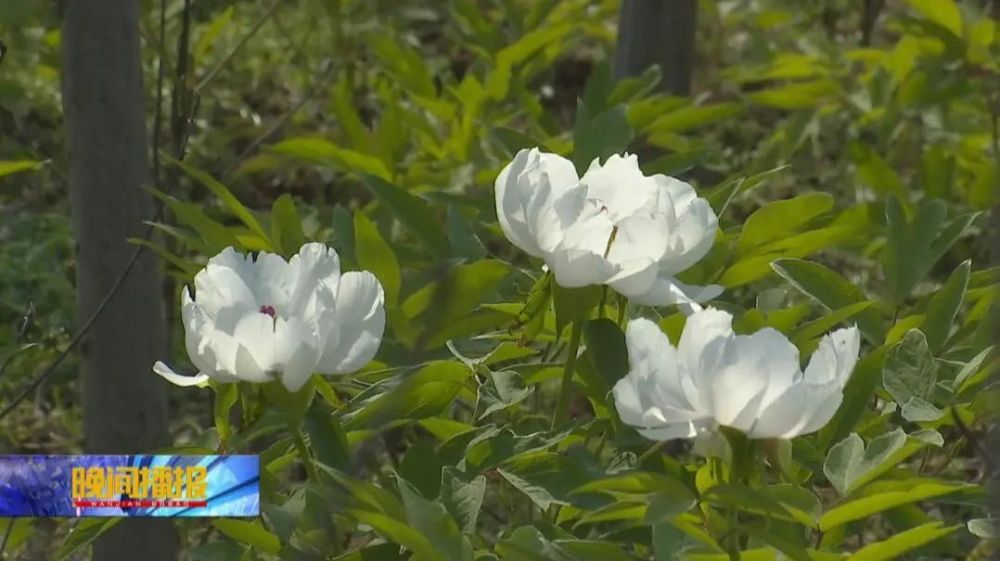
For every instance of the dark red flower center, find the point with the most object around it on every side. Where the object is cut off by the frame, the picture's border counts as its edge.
(269, 310)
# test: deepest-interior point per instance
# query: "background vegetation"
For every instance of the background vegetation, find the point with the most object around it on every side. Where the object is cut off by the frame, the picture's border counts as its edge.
(851, 151)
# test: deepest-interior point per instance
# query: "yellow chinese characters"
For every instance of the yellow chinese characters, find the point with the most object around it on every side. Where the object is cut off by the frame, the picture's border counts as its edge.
(155, 483)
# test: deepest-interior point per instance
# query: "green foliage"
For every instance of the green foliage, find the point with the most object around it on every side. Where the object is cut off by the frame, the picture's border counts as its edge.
(849, 181)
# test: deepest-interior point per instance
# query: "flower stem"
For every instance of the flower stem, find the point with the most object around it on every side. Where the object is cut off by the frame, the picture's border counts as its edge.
(307, 461)
(562, 407)
(652, 450)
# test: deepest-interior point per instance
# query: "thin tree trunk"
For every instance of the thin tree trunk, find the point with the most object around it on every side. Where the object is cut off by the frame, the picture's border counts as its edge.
(125, 406)
(658, 32)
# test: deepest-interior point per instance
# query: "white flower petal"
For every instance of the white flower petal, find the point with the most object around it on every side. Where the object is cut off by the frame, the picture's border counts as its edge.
(667, 291)
(575, 268)
(781, 360)
(520, 199)
(179, 379)
(315, 268)
(620, 185)
(703, 339)
(360, 317)
(693, 238)
(801, 409)
(835, 357)
(271, 344)
(223, 294)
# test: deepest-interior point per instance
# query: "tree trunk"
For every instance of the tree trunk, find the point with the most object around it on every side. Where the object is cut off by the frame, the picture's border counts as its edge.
(125, 404)
(658, 32)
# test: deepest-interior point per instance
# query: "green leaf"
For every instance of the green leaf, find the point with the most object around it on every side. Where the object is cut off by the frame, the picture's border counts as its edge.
(250, 533)
(208, 37)
(796, 95)
(572, 304)
(821, 326)
(421, 468)
(678, 162)
(945, 13)
(944, 306)
(874, 172)
(635, 87)
(858, 394)
(903, 542)
(414, 212)
(599, 136)
(910, 370)
(374, 254)
(460, 290)
(325, 153)
(746, 499)
(509, 389)
(606, 348)
(868, 505)
(462, 498)
(788, 547)
(88, 530)
(592, 550)
(831, 290)
(8, 167)
(286, 226)
(425, 393)
(378, 552)
(849, 460)
(800, 502)
(404, 63)
(286, 517)
(539, 495)
(498, 80)
(225, 397)
(693, 116)
(399, 532)
(225, 196)
(985, 528)
(779, 218)
(463, 240)
(327, 438)
(640, 483)
(217, 551)
(598, 88)
(432, 521)
(912, 248)
(970, 368)
(720, 196)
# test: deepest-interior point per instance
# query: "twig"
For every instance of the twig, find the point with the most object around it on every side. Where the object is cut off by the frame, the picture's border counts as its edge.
(981, 449)
(277, 124)
(6, 536)
(243, 41)
(25, 322)
(158, 114)
(19, 338)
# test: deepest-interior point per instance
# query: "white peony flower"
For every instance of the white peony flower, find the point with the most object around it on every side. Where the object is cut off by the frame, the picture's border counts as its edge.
(613, 226)
(266, 319)
(751, 383)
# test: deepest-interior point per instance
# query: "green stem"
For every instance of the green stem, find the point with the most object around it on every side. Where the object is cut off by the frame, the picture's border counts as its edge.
(307, 461)
(741, 471)
(652, 450)
(562, 407)
(622, 306)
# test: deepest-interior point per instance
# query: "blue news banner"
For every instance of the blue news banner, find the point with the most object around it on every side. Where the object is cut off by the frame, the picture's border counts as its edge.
(111, 486)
